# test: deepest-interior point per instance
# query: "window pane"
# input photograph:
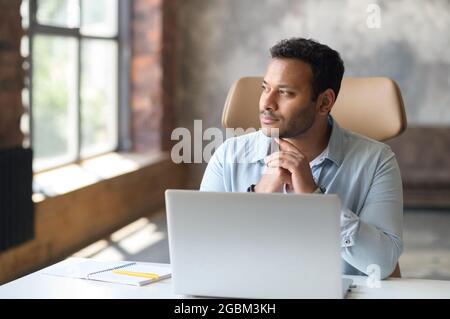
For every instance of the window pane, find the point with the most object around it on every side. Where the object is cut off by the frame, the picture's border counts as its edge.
(61, 13)
(98, 96)
(99, 17)
(54, 100)
(25, 14)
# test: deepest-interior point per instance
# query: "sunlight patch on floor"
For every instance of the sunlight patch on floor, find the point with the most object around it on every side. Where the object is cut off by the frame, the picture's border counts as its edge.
(142, 239)
(126, 243)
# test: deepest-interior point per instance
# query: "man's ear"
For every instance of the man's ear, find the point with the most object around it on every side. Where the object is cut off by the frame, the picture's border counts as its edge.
(326, 101)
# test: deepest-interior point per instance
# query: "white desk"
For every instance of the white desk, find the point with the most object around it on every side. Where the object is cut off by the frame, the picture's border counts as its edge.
(38, 285)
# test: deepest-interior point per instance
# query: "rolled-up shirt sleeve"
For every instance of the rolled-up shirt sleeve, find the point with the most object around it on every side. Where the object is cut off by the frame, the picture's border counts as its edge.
(375, 235)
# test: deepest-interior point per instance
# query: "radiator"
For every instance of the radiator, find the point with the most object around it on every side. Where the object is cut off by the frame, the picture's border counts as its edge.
(16, 206)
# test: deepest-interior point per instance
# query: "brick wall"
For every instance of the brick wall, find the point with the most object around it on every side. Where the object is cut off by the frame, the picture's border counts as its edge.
(153, 68)
(170, 67)
(11, 74)
(16, 207)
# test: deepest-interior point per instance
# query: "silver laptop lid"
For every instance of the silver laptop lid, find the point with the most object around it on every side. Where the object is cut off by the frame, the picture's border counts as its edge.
(249, 245)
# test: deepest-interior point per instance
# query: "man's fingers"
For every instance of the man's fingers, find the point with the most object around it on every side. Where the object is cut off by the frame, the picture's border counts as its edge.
(281, 162)
(282, 173)
(286, 146)
(283, 154)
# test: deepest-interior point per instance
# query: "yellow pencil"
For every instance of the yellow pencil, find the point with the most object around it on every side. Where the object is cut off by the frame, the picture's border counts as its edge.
(136, 274)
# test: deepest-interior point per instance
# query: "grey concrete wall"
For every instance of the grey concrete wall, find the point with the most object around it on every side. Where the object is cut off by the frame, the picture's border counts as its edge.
(222, 40)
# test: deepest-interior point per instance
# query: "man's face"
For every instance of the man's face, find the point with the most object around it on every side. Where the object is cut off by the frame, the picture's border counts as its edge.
(285, 102)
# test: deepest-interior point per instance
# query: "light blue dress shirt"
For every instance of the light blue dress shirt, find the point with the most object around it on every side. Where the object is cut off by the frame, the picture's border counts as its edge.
(362, 172)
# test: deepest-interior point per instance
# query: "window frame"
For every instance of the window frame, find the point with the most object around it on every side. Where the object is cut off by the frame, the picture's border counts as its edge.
(122, 40)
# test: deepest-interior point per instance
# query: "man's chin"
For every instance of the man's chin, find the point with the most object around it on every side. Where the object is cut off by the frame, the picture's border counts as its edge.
(271, 131)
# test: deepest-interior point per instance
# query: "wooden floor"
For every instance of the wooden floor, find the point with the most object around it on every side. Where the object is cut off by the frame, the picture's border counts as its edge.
(427, 244)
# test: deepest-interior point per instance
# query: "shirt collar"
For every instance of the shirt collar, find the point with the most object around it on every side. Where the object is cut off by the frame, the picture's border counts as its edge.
(335, 144)
(334, 151)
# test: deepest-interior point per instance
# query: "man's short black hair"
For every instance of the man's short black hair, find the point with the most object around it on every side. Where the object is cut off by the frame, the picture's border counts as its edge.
(326, 64)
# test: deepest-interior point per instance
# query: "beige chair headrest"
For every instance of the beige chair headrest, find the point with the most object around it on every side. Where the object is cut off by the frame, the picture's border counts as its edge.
(370, 106)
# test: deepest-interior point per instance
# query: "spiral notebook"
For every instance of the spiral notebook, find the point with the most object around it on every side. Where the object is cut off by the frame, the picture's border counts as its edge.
(121, 272)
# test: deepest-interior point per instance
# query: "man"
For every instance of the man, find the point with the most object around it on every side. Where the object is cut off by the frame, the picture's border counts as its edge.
(316, 155)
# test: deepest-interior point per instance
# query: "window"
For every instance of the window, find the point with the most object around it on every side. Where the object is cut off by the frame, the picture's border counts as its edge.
(75, 57)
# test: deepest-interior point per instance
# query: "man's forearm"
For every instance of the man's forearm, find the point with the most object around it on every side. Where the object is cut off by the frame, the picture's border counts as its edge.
(373, 246)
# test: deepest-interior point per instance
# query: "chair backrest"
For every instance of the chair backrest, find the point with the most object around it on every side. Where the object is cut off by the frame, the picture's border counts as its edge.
(370, 106)
(396, 273)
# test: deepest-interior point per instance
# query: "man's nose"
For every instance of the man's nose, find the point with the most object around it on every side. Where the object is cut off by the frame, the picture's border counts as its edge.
(268, 101)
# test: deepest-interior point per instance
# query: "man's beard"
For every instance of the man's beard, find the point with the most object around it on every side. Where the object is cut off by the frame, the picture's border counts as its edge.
(298, 124)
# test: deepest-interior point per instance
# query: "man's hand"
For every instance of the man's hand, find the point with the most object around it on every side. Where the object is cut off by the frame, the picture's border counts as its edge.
(273, 180)
(290, 159)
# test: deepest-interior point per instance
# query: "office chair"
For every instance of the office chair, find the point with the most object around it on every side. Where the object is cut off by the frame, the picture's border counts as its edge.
(369, 106)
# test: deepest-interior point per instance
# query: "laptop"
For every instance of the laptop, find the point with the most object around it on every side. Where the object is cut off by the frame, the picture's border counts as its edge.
(251, 245)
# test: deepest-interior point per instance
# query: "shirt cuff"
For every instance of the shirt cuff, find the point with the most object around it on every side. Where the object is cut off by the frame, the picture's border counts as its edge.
(349, 227)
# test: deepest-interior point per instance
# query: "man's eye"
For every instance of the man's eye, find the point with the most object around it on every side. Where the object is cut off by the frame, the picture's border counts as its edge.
(285, 93)
(265, 88)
